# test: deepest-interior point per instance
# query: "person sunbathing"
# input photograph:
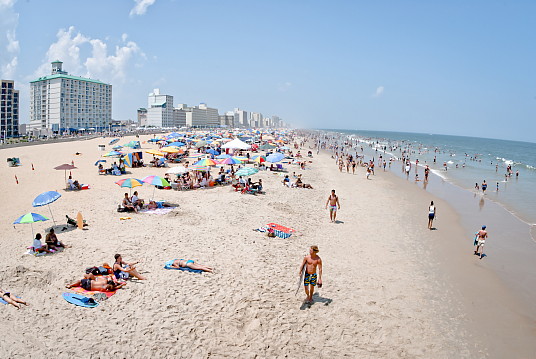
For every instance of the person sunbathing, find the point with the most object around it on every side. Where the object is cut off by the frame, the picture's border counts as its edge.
(14, 301)
(152, 205)
(183, 263)
(123, 270)
(98, 284)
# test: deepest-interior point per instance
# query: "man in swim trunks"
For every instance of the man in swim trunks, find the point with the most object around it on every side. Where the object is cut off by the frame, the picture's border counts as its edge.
(97, 283)
(311, 262)
(183, 263)
(333, 202)
(482, 235)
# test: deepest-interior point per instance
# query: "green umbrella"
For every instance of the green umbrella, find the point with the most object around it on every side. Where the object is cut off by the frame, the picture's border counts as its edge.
(30, 218)
(246, 171)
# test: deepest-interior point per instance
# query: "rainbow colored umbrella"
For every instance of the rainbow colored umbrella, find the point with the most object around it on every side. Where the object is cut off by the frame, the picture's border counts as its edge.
(196, 155)
(156, 181)
(198, 168)
(230, 161)
(206, 162)
(259, 159)
(112, 154)
(129, 183)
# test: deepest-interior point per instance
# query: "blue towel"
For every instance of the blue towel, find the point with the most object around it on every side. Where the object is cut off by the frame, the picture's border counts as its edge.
(186, 269)
(2, 301)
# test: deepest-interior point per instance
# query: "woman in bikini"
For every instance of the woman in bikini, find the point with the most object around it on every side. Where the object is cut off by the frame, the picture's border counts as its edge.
(6, 296)
(123, 270)
(183, 263)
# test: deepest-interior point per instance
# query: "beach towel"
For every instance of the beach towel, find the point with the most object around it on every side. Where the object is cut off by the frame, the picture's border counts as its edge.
(186, 269)
(281, 231)
(91, 292)
(80, 300)
(2, 301)
(160, 211)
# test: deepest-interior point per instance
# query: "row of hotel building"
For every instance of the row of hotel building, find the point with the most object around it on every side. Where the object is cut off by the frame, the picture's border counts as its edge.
(62, 103)
(161, 112)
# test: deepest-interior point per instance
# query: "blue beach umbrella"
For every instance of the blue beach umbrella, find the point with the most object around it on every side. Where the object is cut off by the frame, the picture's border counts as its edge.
(46, 198)
(275, 157)
(99, 161)
(176, 144)
(223, 156)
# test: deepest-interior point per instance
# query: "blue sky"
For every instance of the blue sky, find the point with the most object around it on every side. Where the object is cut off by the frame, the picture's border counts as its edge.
(456, 67)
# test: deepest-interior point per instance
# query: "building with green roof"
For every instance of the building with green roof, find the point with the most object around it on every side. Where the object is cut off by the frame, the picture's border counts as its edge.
(61, 103)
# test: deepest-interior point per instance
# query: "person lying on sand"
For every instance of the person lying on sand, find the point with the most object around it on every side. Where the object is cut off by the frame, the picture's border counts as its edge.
(99, 284)
(183, 263)
(123, 270)
(14, 301)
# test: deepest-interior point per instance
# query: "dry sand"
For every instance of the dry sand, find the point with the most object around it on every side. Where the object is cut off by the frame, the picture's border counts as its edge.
(385, 294)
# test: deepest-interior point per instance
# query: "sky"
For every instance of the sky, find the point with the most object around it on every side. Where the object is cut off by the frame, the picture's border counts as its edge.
(444, 67)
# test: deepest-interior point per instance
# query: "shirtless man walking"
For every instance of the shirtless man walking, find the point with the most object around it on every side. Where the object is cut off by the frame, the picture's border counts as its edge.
(333, 202)
(482, 235)
(311, 262)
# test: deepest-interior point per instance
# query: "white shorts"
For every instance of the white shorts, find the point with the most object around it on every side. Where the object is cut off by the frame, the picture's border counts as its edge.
(481, 242)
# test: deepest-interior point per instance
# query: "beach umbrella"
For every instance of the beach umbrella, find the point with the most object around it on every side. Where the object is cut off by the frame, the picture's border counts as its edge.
(230, 161)
(198, 168)
(213, 152)
(236, 144)
(200, 144)
(129, 183)
(112, 154)
(246, 171)
(275, 157)
(178, 170)
(65, 167)
(176, 144)
(196, 155)
(115, 140)
(118, 147)
(259, 159)
(156, 181)
(99, 161)
(223, 156)
(155, 152)
(46, 198)
(169, 150)
(206, 162)
(30, 218)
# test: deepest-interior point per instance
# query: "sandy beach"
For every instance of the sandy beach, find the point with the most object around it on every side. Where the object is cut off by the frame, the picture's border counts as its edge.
(392, 288)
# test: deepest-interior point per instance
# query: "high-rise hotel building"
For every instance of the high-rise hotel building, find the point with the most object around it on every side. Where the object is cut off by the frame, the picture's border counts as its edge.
(9, 110)
(62, 103)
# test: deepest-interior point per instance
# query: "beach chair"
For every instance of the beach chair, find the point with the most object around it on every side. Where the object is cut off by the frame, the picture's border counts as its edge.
(174, 186)
(279, 167)
(13, 162)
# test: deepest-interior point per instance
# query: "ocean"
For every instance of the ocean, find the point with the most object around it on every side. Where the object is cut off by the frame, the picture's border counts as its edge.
(508, 207)
(470, 160)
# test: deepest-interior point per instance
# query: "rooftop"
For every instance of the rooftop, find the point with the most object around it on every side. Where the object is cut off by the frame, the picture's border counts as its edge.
(65, 76)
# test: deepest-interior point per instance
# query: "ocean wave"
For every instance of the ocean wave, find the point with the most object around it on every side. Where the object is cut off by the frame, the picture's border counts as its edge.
(439, 173)
(514, 163)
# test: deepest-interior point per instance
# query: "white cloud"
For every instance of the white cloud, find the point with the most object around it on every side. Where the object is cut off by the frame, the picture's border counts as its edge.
(378, 92)
(9, 46)
(141, 7)
(71, 46)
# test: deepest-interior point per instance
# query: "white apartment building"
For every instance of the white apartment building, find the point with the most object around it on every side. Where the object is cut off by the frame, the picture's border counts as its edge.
(9, 110)
(241, 118)
(62, 103)
(201, 116)
(255, 119)
(160, 110)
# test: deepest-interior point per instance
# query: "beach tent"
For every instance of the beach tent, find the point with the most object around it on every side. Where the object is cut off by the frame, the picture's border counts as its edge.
(129, 158)
(236, 144)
